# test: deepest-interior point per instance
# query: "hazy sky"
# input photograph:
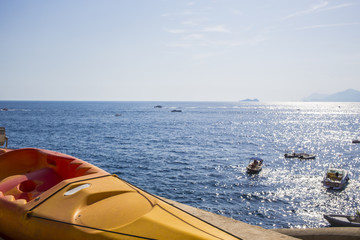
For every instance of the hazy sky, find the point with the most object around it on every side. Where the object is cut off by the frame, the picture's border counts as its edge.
(172, 50)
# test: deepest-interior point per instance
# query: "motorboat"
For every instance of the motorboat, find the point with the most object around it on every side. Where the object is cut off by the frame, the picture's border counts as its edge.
(299, 155)
(337, 220)
(255, 165)
(335, 178)
(356, 141)
(176, 110)
(50, 195)
(292, 154)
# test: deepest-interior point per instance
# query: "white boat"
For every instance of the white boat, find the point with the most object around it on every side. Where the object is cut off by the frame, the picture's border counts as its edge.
(335, 178)
(337, 220)
(307, 156)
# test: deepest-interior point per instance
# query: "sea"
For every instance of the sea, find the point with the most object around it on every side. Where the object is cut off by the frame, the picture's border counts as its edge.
(199, 156)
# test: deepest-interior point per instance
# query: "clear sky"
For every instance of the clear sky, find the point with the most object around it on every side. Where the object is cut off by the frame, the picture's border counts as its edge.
(174, 50)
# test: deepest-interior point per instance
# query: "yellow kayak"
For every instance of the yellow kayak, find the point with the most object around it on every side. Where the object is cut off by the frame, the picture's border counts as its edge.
(49, 195)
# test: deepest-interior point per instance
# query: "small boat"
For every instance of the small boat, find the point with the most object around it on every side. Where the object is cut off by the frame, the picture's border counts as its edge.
(335, 178)
(299, 155)
(306, 156)
(255, 165)
(292, 154)
(355, 141)
(336, 220)
(158, 106)
(50, 195)
(176, 110)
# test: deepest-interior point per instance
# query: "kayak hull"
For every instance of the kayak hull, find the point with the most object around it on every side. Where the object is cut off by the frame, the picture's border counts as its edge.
(81, 201)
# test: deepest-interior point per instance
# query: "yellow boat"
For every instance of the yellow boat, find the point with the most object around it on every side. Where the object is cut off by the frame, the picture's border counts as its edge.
(49, 195)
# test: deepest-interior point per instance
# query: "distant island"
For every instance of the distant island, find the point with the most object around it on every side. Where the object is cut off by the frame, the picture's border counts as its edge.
(250, 100)
(349, 95)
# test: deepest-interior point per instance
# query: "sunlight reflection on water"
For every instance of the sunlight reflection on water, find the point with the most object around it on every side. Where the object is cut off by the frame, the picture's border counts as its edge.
(198, 157)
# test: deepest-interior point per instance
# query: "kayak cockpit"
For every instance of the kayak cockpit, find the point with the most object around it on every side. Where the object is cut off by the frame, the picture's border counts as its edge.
(27, 173)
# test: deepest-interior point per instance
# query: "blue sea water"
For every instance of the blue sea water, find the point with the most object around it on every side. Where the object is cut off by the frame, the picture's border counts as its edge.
(198, 156)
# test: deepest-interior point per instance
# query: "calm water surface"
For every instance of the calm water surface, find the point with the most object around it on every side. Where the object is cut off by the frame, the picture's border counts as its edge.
(198, 156)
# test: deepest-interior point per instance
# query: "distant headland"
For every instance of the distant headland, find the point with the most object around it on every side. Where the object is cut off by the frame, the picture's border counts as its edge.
(250, 100)
(349, 95)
